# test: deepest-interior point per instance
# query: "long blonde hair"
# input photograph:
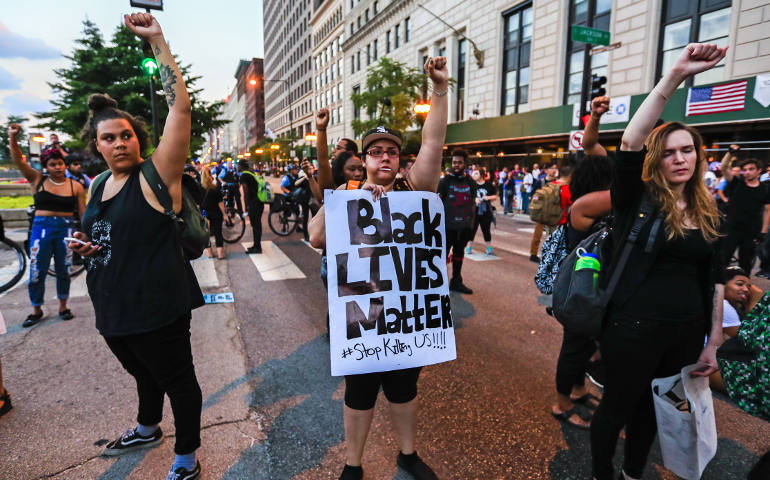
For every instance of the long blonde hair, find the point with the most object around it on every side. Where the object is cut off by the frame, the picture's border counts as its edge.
(701, 207)
(206, 179)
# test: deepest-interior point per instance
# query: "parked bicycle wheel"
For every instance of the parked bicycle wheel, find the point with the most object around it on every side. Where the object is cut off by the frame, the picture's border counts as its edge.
(284, 221)
(13, 263)
(77, 267)
(233, 227)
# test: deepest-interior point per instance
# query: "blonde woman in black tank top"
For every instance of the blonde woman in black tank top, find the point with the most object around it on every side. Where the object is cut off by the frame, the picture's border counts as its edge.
(58, 201)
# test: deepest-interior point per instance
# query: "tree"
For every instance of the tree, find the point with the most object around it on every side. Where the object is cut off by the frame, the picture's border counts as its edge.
(115, 69)
(403, 86)
(5, 151)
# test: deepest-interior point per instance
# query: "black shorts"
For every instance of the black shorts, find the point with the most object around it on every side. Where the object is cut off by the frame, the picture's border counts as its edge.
(400, 386)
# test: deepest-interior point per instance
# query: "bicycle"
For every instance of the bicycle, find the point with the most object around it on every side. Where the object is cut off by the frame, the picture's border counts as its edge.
(13, 262)
(284, 215)
(233, 224)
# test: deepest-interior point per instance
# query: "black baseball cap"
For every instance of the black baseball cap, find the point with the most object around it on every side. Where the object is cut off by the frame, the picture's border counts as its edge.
(380, 133)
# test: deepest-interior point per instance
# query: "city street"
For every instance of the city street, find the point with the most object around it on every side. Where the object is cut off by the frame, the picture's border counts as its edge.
(272, 411)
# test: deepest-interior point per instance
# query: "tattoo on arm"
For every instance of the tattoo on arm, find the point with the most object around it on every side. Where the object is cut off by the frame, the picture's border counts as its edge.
(157, 50)
(168, 79)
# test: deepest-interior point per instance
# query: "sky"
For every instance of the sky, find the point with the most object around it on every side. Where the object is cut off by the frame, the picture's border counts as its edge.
(213, 36)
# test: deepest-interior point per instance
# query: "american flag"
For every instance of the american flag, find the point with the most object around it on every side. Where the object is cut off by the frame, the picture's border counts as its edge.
(727, 97)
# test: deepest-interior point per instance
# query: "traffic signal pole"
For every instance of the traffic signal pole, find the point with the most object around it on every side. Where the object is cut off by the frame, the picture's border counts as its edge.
(154, 114)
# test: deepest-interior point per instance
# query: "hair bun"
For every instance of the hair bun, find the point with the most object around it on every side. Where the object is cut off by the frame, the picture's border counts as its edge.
(100, 101)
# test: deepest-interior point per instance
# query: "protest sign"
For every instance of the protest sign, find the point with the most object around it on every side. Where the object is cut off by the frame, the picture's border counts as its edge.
(388, 291)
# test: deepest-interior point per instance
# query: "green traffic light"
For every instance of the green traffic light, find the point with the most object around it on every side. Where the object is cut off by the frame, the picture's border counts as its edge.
(150, 66)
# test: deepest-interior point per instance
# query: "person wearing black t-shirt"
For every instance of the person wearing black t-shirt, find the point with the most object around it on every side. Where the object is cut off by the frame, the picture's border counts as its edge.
(748, 212)
(485, 194)
(213, 206)
(255, 207)
(458, 193)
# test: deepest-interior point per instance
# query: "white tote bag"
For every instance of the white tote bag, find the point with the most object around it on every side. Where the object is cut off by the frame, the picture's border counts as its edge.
(686, 428)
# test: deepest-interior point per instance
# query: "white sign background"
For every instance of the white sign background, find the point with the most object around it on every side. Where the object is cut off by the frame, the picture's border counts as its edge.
(762, 89)
(382, 348)
(618, 112)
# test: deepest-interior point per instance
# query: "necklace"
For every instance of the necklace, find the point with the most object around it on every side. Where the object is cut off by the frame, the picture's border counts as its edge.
(57, 184)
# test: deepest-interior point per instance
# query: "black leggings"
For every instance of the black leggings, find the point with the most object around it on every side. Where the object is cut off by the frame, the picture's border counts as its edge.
(486, 222)
(255, 217)
(161, 362)
(399, 386)
(573, 357)
(215, 225)
(634, 353)
(456, 240)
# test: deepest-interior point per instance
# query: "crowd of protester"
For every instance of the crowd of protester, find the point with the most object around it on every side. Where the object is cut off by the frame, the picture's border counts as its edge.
(701, 213)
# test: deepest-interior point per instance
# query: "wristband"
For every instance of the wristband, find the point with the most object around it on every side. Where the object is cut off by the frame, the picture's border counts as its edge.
(439, 94)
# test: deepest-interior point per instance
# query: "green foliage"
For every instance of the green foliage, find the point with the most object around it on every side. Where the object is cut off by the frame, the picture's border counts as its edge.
(22, 201)
(5, 151)
(115, 69)
(393, 80)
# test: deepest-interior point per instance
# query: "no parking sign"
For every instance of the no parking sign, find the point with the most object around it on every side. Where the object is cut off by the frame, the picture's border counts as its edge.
(576, 140)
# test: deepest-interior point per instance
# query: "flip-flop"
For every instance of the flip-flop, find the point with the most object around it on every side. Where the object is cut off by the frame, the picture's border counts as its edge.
(585, 399)
(565, 416)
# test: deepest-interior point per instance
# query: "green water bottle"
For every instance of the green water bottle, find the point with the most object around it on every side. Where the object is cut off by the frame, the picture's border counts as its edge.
(589, 261)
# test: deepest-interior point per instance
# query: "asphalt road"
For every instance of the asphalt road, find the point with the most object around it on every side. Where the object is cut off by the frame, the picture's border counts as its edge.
(271, 409)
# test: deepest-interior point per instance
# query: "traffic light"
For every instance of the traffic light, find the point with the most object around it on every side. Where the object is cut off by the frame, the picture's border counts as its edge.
(149, 66)
(597, 88)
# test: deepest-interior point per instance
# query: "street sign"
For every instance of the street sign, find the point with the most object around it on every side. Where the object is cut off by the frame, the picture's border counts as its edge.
(576, 140)
(598, 50)
(226, 297)
(149, 4)
(590, 35)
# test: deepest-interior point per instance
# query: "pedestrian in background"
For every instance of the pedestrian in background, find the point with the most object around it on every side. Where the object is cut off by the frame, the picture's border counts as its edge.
(59, 206)
(486, 193)
(213, 206)
(526, 190)
(679, 267)
(254, 206)
(548, 174)
(141, 285)
(458, 192)
(382, 149)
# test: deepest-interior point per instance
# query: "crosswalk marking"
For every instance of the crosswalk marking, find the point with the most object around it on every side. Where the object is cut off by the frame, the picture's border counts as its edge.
(481, 257)
(273, 264)
(526, 230)
(205, 272)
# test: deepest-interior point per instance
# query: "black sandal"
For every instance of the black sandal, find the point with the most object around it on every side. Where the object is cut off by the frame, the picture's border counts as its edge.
(66, 315)
(6, 405)
(565, 417)
(32, 319)
(586, 399)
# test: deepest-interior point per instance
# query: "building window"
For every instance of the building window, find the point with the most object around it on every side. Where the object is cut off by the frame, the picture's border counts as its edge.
(352, 28)
(366, 15)
(517, 41)
(376, 7)
(339, 91)
(368, 54)
(387, 41)
(358, 22)
(375, 49)
(339, 114)
(442, 51)
(580, 63)
(358, 61)
(352, 4)
(397, 36)
(356, 110)
(462, 48)
(707, 21)
(407, 29)
(352, 65)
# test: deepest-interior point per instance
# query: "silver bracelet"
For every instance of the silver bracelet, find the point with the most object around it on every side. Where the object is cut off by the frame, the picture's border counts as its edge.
(439, 94)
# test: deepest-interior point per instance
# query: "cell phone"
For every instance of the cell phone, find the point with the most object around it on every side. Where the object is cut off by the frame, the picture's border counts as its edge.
(73, 239)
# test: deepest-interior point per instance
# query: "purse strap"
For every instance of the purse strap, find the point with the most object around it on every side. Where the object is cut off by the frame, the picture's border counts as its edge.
(645, 212)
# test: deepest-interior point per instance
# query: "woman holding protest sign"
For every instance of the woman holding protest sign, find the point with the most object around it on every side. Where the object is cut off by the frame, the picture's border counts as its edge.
(381, 148)
(142, 287)
(675, 260)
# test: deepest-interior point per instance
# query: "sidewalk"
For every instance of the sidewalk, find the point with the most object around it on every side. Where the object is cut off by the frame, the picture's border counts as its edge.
(71, 396)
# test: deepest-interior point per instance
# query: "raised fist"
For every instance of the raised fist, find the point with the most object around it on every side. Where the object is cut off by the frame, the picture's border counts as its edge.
(437, 70)
(698, 57)
(322, 118)
(600, 106)
(14, 129)
(307, 167)
(143, 25)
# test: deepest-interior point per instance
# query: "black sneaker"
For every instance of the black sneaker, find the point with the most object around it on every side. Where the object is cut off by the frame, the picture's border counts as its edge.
(414, 465)
(456, 285)
(130, 441)
(352, 473)
(182, 473)
(254, 249)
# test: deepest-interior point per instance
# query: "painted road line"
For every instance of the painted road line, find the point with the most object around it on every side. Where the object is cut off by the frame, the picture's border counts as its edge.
(205, 272)
(481, 257)
(319, 251)
(526, 230)
(273, 264)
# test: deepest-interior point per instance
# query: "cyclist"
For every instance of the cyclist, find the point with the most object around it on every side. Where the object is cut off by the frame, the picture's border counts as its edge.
(229, 181)
(254, 206)
(58, 200)
(299, 189)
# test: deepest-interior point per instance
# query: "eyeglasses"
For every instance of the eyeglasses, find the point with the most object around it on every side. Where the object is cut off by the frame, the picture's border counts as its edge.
(379, 152)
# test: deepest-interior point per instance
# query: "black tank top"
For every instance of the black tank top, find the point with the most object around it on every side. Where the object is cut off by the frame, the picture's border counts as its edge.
(45, 200)
(140, 281)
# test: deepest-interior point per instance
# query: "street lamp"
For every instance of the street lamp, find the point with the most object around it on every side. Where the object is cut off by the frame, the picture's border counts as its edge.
(421, 108)
(252, 82)
(259, 151)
